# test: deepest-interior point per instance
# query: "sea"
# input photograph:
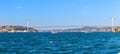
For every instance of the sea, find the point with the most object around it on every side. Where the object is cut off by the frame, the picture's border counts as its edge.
(60, 43)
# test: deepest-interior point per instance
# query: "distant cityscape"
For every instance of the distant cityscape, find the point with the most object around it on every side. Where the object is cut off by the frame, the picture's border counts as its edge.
(88, 29)
(9, 28)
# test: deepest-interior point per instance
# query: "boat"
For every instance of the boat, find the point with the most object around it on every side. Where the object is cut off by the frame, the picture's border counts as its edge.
(54, 32)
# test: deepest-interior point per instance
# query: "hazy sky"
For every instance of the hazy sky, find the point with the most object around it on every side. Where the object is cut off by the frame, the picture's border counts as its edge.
(59, 12)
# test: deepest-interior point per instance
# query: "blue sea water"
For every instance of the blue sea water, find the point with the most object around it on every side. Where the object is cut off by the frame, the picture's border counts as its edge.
(60, 43)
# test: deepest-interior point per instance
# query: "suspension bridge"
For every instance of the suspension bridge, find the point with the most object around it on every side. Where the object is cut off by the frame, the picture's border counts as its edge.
(75, 26)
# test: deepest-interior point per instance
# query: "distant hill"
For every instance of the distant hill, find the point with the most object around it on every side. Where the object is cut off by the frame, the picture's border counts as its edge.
(86, 29)
(8, 28)
(117, 29)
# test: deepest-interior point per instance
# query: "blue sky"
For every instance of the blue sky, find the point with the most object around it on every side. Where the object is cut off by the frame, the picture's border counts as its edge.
(59, 12)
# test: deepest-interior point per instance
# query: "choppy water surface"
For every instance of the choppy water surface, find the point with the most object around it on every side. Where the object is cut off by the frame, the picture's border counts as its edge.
(60, 43)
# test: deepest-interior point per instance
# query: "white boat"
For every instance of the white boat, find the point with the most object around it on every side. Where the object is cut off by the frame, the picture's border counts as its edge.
(53, 32)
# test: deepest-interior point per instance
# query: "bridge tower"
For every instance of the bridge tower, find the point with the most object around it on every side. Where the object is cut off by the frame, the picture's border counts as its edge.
(113, 25)
(27, 25)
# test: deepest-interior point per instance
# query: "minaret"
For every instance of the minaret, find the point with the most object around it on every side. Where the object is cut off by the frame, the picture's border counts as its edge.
(112, 24)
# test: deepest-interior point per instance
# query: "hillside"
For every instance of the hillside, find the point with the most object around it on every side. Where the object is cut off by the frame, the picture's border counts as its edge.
(85, 29)
(8, 28)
